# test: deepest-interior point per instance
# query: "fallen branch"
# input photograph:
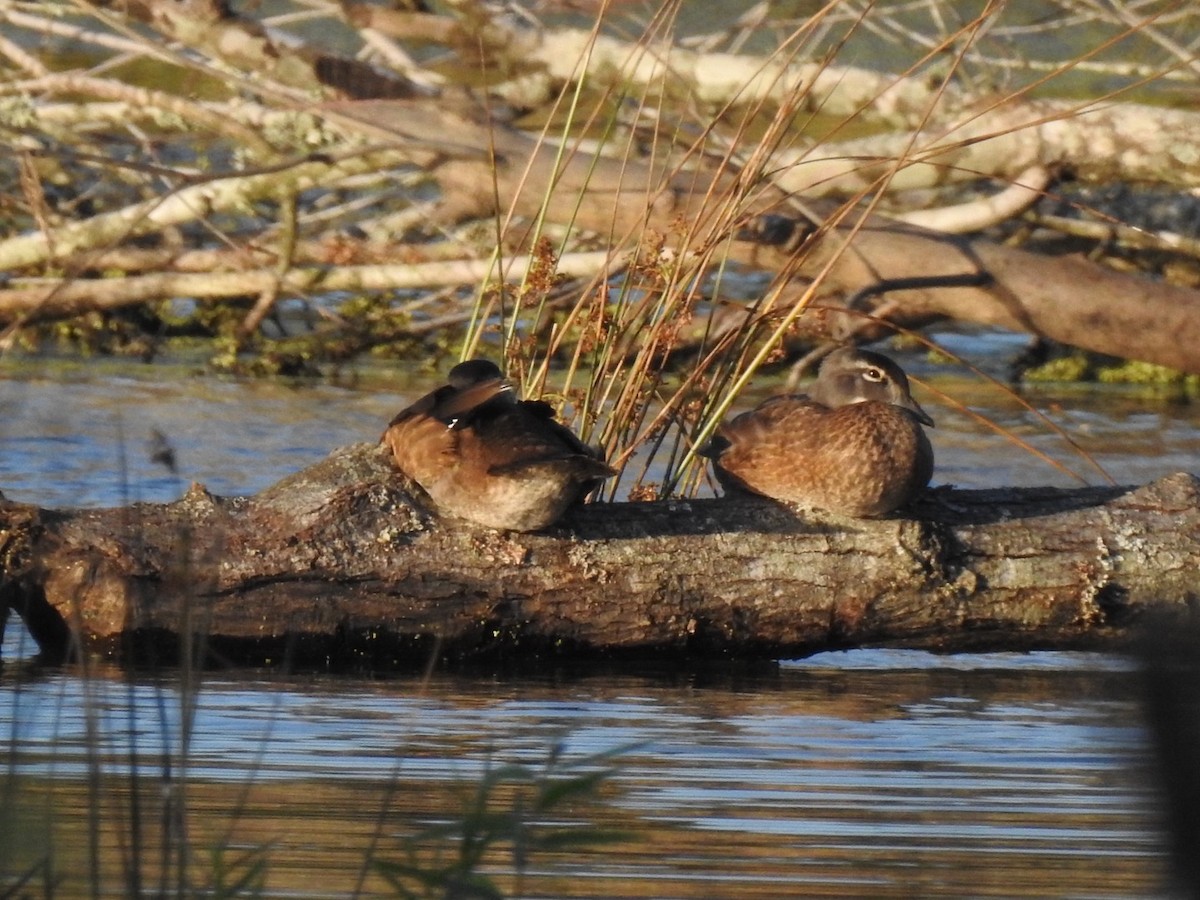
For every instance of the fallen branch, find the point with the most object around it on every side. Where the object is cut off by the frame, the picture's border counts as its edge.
(340, 564)
(68, 298)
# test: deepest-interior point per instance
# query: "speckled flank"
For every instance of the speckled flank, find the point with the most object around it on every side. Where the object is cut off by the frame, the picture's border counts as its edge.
(859, 457)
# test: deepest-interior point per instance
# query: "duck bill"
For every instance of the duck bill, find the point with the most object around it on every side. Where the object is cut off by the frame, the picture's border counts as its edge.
(915, 408)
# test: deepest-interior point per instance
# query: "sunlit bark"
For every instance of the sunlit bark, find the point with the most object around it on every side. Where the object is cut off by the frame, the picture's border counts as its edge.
(341, 564)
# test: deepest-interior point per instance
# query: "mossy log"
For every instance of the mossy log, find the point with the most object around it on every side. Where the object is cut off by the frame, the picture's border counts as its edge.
(342, 564)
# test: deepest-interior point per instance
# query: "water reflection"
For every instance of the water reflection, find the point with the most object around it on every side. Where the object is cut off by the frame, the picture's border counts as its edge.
(867, 774)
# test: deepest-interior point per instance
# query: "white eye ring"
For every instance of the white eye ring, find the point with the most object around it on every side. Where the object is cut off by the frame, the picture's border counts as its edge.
(873, 374)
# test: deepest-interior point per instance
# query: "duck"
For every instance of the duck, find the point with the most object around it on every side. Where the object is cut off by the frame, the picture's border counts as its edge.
(485, 456)
(853, 444)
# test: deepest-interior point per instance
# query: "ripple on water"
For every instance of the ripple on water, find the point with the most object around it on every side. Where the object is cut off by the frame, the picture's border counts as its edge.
(868, 773)
(892, 771)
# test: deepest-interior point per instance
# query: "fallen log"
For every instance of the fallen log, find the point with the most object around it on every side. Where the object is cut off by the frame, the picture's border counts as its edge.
(342, 565)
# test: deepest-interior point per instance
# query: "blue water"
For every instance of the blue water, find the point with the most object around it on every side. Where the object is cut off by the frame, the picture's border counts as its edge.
(866, 773)
(755, 781)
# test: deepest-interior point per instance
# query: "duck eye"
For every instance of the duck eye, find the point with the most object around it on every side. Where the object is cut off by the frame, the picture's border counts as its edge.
(873, 374)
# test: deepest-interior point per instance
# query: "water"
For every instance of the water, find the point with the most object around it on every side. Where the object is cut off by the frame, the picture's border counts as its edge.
(82, 437)
(889, 776)
(868, 773)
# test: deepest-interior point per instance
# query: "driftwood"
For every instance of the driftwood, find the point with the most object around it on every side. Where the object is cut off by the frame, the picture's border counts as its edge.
(698, 195)
(341, 564)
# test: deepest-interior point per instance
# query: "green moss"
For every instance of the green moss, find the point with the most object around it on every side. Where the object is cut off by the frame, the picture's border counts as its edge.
(17, 113)
(225, 355)
(1154, 379)
(1072, 367)
(1137, 372)
(215, 319)
(371, 324)
(121, 333)
(1141, 378)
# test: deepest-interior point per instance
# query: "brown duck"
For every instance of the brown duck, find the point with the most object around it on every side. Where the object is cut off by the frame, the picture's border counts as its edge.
(485, 456)
(852, 445)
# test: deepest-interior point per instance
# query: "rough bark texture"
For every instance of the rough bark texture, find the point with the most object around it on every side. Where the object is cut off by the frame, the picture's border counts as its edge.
(340, 565)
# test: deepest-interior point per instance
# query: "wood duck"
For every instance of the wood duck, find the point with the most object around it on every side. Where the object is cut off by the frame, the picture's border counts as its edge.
(485, 456)
(852, 445)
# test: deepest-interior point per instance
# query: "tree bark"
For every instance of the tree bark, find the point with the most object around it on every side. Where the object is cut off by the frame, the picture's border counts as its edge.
(342, 565)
